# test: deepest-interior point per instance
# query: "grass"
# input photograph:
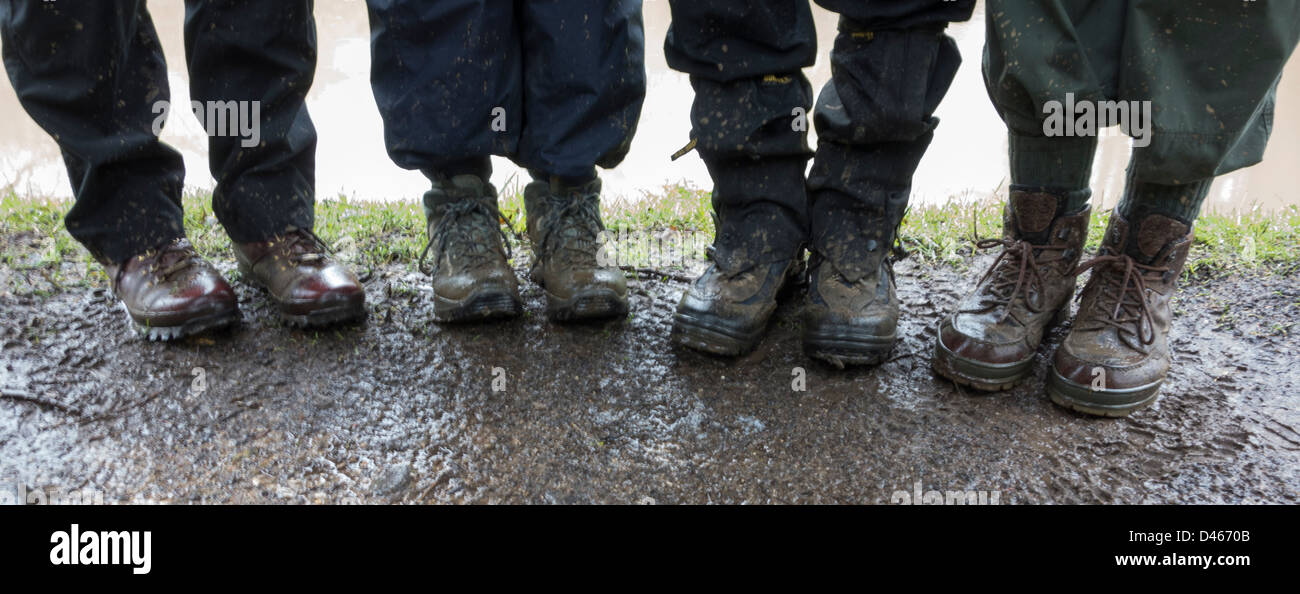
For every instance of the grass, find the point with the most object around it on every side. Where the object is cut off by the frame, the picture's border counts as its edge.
(372, 234)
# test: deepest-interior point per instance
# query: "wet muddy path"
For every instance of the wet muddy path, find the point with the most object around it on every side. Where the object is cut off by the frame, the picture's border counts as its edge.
(402, 410)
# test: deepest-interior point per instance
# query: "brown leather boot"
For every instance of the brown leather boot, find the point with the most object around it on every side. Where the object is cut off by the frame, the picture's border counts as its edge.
(171, 292)
(296, 270)
(989, 343)
(1117, 352)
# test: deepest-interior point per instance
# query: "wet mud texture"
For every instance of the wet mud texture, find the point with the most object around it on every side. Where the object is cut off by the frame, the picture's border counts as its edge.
(404, 410)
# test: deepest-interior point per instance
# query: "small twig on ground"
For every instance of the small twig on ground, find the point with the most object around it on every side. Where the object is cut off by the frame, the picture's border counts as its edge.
(901, 356)
(21, 396)
(653, 272)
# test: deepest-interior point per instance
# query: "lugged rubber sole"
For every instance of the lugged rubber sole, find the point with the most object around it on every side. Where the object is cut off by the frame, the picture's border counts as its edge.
(985, 377)
(841, 349)
(329, 316)
(481, 306)
(211, 322)
(586, 305)
(694, 332)
(1102, 403)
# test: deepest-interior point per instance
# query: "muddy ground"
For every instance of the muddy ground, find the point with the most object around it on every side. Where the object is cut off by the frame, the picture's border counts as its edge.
(403, 410)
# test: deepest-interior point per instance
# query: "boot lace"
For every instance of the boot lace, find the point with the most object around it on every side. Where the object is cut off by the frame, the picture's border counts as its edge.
(1122, 282)
(174, 258)
(469, 241)
(574, 228)
(305, 247)
(1016, 274)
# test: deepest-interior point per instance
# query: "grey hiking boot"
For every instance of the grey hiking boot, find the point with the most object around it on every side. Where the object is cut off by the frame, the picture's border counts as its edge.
(472, 279)
(564, 227)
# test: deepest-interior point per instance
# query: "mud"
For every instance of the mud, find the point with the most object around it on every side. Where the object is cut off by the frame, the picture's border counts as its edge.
(403, 410)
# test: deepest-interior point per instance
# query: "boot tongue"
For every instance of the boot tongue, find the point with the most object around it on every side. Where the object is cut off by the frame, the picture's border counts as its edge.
(1155, 234)
(1032, 214)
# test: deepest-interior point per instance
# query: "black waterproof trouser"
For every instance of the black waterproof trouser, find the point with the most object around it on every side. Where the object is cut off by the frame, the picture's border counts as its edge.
(92, 74)
(890, 67)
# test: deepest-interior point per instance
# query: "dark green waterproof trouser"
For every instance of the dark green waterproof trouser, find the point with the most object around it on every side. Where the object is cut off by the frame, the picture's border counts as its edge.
(1208, 67)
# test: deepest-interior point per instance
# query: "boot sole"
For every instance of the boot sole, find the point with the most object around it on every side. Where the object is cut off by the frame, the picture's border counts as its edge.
(842, 349)
(595, 303)
(985, 377)
(477, 307)
(208, 323)
(696, 333)
(1101, 403)
(328, 316)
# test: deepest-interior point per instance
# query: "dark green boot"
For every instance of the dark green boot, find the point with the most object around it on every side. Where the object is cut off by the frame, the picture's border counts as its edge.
(472, 279)
(564, 226)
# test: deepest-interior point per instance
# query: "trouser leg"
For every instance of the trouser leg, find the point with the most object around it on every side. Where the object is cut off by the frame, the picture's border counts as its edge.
(583, 85)
(749, 116)
(92, 75)
(890, 67)
(251, 65)
(447, 79)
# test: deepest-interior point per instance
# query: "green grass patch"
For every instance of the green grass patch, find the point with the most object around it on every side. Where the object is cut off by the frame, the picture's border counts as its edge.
(374, 234)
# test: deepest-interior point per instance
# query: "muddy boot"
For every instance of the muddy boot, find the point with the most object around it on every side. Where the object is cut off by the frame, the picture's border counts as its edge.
(850, 316)
(726, 309)
(310, 289)
(171, 292)
(564, 226)
(1117, 352)
(989, 343)
(472, 279)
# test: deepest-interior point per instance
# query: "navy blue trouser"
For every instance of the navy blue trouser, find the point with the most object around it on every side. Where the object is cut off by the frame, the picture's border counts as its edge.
(555, 85)
(92, 74)
(890, 66)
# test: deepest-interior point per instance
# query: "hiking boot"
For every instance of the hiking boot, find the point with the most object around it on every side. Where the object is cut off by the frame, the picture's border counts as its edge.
(171, 292)
(564, 226)
(850, 315)
(726, 309)
(1117, 352)
(990, 341)
(472, 279)
(309, 288)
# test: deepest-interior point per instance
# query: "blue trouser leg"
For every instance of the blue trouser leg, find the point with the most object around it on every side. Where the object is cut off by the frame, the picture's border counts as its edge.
(555, 85)
(584, 83)
(447, 77)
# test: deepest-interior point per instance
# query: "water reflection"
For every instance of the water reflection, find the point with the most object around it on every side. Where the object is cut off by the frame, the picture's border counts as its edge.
(967, 158)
